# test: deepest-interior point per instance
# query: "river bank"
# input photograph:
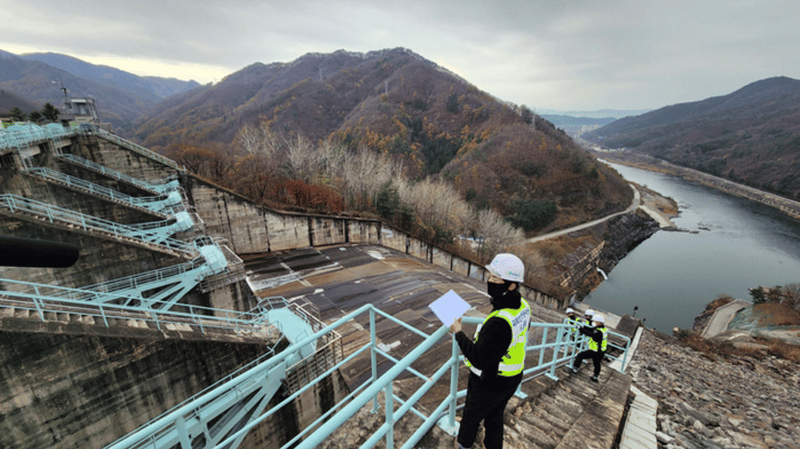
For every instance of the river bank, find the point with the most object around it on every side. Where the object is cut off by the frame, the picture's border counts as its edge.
(644, 162)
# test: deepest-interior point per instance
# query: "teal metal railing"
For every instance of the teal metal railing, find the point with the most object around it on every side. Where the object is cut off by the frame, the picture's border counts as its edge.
(156, 289)
(558, 348)
(157, 189)
(168, 204)
(137, 148)
(157, 233)
(43, 299)
(19, 136)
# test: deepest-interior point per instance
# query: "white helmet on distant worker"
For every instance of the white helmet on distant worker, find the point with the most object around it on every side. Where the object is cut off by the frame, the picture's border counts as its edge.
(570, 310)
(599, 318)
(508, 267)
(588, 313)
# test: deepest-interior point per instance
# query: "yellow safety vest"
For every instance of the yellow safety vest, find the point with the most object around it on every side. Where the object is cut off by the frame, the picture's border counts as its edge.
(513, 362)
(575, 322)
(604, 344)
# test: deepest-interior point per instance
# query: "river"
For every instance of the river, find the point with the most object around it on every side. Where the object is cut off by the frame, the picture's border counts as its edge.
(671, 276)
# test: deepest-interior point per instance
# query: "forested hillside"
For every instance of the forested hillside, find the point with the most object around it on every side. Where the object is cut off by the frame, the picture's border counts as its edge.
(750, 136)
(400, 105)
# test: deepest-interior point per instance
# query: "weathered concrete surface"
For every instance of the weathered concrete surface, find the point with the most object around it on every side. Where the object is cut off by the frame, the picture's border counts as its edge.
(601, 419)
(87, 391)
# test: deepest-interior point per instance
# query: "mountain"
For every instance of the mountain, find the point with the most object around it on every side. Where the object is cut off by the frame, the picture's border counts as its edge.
(397, 102)
(750, 136)
(121, 97)
(151, 88)
(9, 101)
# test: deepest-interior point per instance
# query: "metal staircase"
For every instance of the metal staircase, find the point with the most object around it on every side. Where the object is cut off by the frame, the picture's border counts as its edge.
(22, 136)
(156, 189)
(157, 289)
(54, 304)
(136, 148)
(163, 205)
(152, 235)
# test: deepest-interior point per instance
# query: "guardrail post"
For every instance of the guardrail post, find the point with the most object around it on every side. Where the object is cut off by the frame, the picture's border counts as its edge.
(373, 339)
(103, 313)
(448, 423)
(544, 342)
(556, 351)
(625, 354)
(37, 301)
(389, 402)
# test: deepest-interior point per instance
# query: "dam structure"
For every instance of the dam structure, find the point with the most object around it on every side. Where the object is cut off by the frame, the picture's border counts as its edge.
(196, 318)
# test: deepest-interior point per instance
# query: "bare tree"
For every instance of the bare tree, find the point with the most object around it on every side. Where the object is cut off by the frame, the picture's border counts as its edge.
(496, 232)
(437, 204)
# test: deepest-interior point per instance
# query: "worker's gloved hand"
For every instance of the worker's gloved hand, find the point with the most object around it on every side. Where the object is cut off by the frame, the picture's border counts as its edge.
(456, 326)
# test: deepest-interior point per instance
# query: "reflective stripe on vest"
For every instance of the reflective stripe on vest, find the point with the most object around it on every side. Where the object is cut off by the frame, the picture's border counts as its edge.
(513, 362)
(604, 344)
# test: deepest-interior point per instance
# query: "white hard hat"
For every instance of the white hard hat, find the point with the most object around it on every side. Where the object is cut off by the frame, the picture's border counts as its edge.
(589, 312)
(508, 267)
(599, 318)
(570, 310)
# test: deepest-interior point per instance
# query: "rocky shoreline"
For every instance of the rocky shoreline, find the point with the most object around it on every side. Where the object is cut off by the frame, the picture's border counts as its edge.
(711, 402)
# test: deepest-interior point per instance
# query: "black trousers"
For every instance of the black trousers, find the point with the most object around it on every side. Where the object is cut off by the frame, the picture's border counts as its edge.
(485, 405)
(596, 356)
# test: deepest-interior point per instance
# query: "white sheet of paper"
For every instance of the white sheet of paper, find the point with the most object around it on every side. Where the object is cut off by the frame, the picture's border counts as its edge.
(449, 307)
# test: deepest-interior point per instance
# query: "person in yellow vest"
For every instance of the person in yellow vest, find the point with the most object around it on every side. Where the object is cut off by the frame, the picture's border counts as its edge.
(572, 318)
(496, 357)
(598, 342)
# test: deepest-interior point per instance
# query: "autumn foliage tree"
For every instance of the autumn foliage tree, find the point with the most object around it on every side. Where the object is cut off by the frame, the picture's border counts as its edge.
(326, 177)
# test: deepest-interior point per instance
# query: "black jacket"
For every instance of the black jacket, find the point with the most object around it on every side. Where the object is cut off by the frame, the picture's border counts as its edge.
(594, 333)
(493, 341)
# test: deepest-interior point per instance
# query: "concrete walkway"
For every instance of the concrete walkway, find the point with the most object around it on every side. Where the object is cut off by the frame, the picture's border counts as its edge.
(634, 205)
(722, 318)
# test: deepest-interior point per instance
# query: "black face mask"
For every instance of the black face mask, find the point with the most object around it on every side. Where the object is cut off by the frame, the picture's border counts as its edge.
(497, 291)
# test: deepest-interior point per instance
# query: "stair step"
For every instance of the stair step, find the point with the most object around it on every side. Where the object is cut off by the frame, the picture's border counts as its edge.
(530, 432)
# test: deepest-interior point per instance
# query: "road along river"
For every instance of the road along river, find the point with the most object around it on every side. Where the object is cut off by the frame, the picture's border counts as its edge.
(732, 245)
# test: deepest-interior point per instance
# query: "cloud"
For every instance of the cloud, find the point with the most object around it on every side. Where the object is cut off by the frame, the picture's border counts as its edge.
(562, 55)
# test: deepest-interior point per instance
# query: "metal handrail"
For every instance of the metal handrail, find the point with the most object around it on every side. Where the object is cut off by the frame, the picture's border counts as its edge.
(44, 298)
(20, 138)
(55, 214)
(158, 204)
(137, 148)
(136, 281)
(158, 189)
(329, 422)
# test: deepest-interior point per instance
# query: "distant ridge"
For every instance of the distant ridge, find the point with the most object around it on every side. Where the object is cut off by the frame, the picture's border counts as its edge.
(36, 79)
(751, 135)
(155, 87)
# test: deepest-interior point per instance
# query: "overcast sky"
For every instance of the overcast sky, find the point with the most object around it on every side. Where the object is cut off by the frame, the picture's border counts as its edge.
(578, 55)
